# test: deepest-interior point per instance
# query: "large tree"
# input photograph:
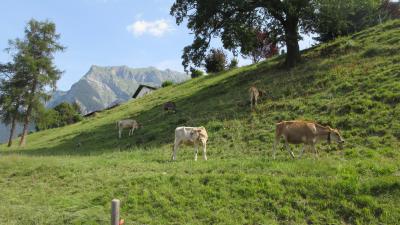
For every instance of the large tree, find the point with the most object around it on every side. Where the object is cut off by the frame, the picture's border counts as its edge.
(38, 71)
(12, 88)
(234, 22)
(10, 111)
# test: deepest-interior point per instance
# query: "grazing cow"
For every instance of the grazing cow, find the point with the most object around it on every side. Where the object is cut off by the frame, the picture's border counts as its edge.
(169, 106)
(308, 133)
(129, 123)
(190, 135)
(254, 95)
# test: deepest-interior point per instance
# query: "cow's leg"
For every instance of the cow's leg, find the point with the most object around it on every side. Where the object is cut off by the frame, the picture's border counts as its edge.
(277, 137)
(204, 150)
(196, 150)
(314, 149)
(288, 148)
(119, 133)
(302, 151)
(176, 145)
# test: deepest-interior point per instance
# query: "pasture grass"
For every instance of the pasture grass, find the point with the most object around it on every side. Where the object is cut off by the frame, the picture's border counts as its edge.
(69, 175)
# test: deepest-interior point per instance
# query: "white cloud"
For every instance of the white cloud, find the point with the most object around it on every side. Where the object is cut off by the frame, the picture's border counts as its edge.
(155, 28)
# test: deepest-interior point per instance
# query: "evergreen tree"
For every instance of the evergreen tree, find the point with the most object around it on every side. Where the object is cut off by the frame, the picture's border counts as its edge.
(36, 54)
(11, 97)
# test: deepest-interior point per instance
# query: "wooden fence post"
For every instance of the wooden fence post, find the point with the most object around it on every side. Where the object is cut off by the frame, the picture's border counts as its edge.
(115, 212)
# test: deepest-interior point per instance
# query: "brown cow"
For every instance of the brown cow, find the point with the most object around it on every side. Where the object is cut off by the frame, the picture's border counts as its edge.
(169, 106)
(308, 133)
(254, 95)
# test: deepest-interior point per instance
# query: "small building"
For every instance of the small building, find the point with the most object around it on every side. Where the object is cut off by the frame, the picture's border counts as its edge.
(92, 114)
(143, 90)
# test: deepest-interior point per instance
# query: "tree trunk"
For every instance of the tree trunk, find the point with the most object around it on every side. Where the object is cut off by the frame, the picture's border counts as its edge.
(28, 115)
(26, 125)
(292, 42)
(12, 130)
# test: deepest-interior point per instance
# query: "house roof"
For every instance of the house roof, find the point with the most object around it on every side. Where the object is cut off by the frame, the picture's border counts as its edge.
(141, 87)
(91, 113)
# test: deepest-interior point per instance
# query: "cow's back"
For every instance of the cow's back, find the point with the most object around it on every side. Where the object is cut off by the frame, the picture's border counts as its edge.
(182, 135)
(297, 131)
(179, 131)
(128, 123)
(183, 131)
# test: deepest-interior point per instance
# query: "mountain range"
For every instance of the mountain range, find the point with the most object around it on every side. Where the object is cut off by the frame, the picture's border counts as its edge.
(102, 87)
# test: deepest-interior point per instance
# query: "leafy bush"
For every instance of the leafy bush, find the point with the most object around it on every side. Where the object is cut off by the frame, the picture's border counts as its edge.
(215, 61)
(167, 83)
(234, 63)
(68, 114)
(63, 114)
(196, 73)
(46, 119)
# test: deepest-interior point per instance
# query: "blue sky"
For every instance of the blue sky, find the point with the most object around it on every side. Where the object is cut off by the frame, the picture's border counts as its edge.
(135, 33)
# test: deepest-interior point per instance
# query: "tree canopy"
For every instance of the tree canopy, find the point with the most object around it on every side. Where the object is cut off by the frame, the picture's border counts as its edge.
(334, 18)
(235, 22)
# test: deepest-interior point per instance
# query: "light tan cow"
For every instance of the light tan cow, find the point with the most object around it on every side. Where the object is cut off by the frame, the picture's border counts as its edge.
(129, 123)
(254, 95)
(191, 135)
(308, 133)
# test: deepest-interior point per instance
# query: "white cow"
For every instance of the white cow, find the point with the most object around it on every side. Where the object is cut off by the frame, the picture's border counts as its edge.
(131, 124)
(191, 135)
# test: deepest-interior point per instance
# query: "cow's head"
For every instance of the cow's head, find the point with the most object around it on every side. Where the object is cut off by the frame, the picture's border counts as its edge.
(198, 134)
(195, 134)
(335, 136)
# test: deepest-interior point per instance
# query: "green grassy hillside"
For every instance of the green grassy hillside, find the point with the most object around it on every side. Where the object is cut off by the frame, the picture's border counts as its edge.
(69, 175)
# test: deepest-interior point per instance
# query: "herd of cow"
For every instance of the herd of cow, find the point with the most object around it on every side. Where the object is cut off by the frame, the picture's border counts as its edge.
(293, 132)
